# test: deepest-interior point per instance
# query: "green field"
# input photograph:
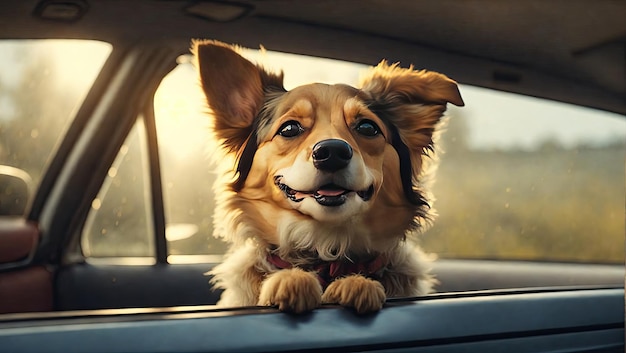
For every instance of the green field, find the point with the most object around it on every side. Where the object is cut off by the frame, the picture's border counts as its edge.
(553, 204)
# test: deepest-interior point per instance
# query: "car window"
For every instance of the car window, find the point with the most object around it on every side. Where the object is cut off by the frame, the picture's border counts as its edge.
(120, 221)
(530, 179)
(42, 83)
(519, 178)
(185, 171)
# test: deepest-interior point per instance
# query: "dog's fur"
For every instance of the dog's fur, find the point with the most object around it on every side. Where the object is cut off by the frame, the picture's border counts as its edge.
(285, 217)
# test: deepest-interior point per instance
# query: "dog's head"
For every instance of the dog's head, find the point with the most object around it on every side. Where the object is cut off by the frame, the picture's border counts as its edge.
(334, 154)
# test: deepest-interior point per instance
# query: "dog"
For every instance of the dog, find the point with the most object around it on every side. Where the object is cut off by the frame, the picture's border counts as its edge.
(323, 188)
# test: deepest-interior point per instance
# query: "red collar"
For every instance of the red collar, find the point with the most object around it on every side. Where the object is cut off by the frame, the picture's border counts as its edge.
(328, 271)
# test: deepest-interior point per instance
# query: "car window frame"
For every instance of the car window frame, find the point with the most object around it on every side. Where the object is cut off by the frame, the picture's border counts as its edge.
(101, 125)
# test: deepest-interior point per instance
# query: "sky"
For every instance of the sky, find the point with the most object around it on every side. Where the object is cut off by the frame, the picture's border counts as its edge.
(504, 120)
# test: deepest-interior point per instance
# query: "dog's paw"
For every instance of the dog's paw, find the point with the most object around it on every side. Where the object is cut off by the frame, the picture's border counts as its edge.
(362, 294)
(293, 290)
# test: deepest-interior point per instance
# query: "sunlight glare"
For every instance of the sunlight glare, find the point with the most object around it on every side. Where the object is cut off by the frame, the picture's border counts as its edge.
(180, 112)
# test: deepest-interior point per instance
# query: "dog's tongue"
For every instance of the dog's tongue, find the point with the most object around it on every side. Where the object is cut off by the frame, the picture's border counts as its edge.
(330, 191)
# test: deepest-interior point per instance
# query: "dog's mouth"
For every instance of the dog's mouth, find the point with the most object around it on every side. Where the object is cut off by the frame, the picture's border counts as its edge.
(327, 195)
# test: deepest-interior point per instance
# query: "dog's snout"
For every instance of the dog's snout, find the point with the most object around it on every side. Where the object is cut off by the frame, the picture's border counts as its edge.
(331, 155)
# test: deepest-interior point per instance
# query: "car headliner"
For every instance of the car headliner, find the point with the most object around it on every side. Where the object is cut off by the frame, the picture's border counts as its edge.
(567, 50)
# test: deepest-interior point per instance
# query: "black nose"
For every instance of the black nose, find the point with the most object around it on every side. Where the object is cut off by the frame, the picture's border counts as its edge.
(331, 155)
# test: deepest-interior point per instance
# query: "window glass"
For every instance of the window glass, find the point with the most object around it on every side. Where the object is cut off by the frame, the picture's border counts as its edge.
(120, 221)
(520, 178)
(42, 83)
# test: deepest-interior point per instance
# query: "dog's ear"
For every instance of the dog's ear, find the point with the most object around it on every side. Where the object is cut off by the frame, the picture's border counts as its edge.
(412, 103)
(234, 88)
(393, 84)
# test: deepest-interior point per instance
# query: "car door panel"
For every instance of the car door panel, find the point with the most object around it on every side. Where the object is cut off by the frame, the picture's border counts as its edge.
(523, 321)
(88, 286)
(97, 286)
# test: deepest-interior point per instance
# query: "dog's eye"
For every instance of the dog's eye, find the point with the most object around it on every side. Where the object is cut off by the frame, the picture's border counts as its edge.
(290, 129)
(367, 128)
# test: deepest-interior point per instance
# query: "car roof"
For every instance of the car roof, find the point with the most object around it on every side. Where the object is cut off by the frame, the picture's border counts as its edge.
(568, 50)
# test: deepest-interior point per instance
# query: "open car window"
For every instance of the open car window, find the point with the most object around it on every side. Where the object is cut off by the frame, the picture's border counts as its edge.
(529, 179)
(519, 178)
(42, 84)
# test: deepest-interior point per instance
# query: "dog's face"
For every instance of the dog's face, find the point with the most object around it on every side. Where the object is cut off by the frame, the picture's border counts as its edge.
(334, 154)
(322, 152)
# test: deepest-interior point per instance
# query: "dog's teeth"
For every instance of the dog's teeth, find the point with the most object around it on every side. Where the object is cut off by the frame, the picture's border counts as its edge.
(327, 195)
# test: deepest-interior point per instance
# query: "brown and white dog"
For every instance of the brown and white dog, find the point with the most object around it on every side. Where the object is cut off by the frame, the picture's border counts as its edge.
(324, 186)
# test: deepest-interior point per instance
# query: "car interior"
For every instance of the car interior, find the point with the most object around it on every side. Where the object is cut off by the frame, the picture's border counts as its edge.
(64, 288)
